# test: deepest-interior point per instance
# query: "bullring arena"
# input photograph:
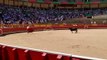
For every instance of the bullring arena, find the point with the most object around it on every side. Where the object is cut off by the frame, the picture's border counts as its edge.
(87, 42)
(53, 29)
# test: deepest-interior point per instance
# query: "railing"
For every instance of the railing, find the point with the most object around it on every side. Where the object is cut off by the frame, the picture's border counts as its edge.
(9, 52)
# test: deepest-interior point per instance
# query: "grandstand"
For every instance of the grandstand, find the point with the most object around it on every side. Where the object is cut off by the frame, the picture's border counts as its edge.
(40, 15)
(30, 13)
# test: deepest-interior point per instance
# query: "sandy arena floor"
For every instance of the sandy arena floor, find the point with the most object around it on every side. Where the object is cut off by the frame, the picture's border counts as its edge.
(90, 42)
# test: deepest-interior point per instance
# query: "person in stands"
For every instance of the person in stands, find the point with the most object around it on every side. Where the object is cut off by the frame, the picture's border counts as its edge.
(19, 15)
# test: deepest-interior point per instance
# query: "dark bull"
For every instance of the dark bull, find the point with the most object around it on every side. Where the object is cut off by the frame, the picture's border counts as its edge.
(73, 29)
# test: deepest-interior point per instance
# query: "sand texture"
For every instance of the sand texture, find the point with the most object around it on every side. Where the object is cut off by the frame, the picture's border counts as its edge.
(89, 42)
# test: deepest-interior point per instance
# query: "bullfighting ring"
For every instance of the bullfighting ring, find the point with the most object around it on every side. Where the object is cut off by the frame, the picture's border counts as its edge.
(87, 42)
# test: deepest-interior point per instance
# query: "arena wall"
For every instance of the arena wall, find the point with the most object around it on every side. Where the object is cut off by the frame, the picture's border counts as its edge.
(7, 29)
(9, 52)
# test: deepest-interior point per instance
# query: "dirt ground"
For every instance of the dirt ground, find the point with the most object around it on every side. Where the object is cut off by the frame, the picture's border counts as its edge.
(89, 42)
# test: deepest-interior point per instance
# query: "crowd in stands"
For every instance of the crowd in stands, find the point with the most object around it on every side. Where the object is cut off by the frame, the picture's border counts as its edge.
(29, 15)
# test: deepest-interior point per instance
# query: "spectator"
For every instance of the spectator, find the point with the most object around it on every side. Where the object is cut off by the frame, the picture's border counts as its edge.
(29, 15)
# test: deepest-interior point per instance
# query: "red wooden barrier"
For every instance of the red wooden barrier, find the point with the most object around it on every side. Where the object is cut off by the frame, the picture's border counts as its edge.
(12, 55)
(0, 52)
(23, 54)
(18, 53)
(11, 30)
(76, 59)
(1, 31)
(34, 55)
(54, 57)
(56, 26)
(67, 58)
(4, 53)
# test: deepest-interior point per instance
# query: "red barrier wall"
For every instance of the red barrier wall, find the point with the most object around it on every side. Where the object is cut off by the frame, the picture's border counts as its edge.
(56, 27)
(19, 53)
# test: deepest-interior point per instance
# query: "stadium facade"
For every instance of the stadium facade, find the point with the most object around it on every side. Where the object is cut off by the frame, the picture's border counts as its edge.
(58, 3)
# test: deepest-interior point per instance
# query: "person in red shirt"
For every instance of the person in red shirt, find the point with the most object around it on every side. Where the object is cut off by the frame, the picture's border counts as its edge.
(29, 29)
